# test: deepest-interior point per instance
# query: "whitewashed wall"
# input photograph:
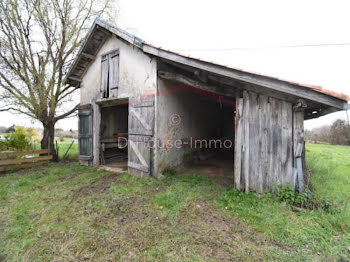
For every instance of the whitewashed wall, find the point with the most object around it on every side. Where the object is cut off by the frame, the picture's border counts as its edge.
(137, 77)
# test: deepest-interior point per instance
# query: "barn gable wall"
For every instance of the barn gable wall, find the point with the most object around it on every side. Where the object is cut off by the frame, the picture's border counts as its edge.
(137, 77)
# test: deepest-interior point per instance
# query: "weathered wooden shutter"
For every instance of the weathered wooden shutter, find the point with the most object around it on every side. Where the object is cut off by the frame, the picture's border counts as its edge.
(113, 73)
(141, 124)
(85, 133)
(110, 74)
(104, 76)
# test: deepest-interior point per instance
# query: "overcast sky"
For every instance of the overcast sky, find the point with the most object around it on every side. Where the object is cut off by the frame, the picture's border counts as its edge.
(251, 35)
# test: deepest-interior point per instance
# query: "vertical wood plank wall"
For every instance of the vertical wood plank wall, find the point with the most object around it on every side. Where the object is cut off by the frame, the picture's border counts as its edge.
(264, 146)
(298, 132)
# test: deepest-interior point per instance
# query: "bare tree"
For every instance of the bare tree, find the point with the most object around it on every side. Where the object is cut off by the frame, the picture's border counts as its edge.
(38, 39)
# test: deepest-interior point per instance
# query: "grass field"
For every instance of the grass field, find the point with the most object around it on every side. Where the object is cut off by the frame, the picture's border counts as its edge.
(63, 147)
(65, 212)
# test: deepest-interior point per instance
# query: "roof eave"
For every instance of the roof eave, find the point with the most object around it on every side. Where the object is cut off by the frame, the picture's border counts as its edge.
(109, 29)
(256, 79)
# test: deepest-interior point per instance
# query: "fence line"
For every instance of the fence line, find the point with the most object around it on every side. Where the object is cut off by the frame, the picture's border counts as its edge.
(8, 161)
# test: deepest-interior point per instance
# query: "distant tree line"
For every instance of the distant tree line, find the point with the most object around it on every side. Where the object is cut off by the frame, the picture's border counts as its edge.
(68, 134)
(58, 131)
(6, 130)
(336, 134)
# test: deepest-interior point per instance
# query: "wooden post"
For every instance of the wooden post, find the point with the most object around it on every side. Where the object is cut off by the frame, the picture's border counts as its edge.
(245, 168)
(57, 150)
(298, 138)
(238, 145)
(298, 155)
(65, 154)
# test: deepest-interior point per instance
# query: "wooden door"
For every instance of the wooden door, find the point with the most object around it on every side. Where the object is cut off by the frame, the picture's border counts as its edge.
(85, 133)
(141, 129)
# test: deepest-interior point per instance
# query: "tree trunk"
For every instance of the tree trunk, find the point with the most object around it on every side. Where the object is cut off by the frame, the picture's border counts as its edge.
(47, 142)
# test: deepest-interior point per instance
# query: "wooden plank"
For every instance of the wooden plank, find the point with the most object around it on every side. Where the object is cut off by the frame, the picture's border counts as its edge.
(284, 145)
(289, 165)
(138, 103)
(298, 155)
(232, 92)
(267, 168)
(278, 156)
(139, 153)
(298, 133)
(20, 166)
(140, 129)
(262, 141)
(300, 174)
(23, 160)
(141, 120)
(246, 163)
(295, 174)
(104, 76)
(300, 147)
(257, 144)
(113, 74)
(298, 130)
(89, 56)
(270, 177)
(287, 143)
(138, 166)
(77, 79)
(238, 144)
(32, 152)
(253, 141)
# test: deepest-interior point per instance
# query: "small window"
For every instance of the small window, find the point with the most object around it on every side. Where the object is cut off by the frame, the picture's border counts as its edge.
(110, 74)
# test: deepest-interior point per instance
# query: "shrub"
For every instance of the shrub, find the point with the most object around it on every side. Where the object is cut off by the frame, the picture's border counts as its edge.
(22, 139)
(169, 171)
(4, 146)
(306, 199)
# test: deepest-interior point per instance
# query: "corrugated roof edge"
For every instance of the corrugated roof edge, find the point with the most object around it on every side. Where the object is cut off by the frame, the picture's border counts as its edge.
(319, 89)
(136, 41)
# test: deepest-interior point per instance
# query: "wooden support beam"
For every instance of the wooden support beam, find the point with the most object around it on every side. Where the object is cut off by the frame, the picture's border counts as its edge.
(89, 56)
(321, 112)
(75, 79)
(103, 30)
(257, 89)
(228, 92)
(265, 82)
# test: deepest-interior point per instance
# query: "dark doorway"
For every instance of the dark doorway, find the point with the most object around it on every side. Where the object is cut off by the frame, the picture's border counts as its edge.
(113, 137)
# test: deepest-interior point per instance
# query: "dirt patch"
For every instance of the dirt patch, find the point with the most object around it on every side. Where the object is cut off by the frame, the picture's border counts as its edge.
(220, 169)
(99, 185)
(220, 236)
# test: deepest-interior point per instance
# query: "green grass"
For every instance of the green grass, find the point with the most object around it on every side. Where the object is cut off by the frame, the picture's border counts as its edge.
(72, 153)
(66, 212)
(63, 147)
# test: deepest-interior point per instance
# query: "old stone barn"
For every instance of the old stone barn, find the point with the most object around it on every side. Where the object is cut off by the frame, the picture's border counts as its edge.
(145, 109)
